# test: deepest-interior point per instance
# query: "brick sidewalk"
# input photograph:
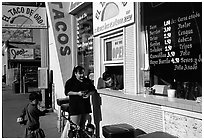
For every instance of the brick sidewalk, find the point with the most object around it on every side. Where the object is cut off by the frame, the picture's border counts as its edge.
(12, 105)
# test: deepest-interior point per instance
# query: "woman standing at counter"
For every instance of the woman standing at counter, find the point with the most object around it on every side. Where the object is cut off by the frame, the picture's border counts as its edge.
(79, 89)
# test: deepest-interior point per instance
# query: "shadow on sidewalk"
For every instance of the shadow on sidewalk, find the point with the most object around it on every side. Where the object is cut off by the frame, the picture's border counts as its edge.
(12, 105)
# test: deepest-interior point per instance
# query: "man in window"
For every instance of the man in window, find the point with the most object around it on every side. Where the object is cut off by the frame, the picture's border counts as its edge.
(112, 81)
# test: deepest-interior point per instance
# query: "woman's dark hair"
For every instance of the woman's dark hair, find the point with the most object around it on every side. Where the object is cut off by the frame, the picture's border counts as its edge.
(76, 69)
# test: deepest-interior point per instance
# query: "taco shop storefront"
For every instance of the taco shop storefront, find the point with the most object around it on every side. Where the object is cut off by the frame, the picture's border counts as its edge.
(128, 31)
(147, 50)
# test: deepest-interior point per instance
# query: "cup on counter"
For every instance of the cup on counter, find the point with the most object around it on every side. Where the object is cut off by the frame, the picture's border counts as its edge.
(171, 93)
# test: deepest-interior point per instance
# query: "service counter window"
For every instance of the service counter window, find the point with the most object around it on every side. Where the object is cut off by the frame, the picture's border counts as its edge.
(113, 61)
(174, 40)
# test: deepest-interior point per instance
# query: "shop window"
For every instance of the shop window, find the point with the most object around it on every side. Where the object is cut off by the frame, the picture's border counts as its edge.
(174, 40)
(116, 74)
(85, 39)
(113, 59)
(31, 75)
(114, 50)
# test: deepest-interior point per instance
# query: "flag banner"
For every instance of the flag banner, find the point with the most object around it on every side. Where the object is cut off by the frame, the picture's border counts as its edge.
(61, 24)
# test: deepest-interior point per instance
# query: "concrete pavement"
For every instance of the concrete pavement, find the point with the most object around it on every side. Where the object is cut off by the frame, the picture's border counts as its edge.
(12, 104)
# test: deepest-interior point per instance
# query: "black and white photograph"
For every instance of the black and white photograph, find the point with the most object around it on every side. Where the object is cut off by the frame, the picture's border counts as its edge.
(109, 69)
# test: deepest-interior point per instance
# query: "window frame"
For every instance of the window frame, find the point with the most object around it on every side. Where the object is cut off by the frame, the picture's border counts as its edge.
(111, 35)
(116, 37)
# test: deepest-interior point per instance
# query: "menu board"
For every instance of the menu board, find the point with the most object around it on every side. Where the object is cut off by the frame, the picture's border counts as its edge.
(175, 45)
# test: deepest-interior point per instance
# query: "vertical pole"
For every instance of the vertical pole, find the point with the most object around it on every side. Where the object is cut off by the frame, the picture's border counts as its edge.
(24, 89)
(20, 84)
(7, 64)
(44, 62)
(73, 42)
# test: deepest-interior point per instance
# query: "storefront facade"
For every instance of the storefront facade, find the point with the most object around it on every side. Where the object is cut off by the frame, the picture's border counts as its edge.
(23, 66)
(21, 28)
(125, 38)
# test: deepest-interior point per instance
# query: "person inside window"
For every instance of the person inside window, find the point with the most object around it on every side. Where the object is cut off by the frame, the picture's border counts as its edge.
(113, 81)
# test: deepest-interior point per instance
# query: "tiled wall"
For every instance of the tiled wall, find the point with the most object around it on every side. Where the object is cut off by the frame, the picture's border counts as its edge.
(182, 126)
(129, 60)
(140, 115)
(150, 117)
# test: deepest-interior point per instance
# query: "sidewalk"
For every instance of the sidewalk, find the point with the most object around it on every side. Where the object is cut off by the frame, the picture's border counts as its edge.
(12, 104)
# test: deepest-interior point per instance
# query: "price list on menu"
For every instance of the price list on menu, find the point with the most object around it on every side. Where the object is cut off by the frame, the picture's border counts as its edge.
(176, 43)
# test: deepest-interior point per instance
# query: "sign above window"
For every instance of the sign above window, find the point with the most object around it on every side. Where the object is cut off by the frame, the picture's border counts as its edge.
(20, 54)
(111, 15)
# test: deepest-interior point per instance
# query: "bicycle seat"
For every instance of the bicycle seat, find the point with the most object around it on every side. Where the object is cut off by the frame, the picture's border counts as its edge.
(65, 107)
(61, 101)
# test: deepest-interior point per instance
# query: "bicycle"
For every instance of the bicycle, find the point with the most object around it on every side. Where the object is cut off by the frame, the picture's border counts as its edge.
(75, 130)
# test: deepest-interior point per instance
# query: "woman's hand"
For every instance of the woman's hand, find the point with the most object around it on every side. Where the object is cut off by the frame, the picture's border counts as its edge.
(87, 94)
(19, 120)
(80, 93)
(84, 94)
